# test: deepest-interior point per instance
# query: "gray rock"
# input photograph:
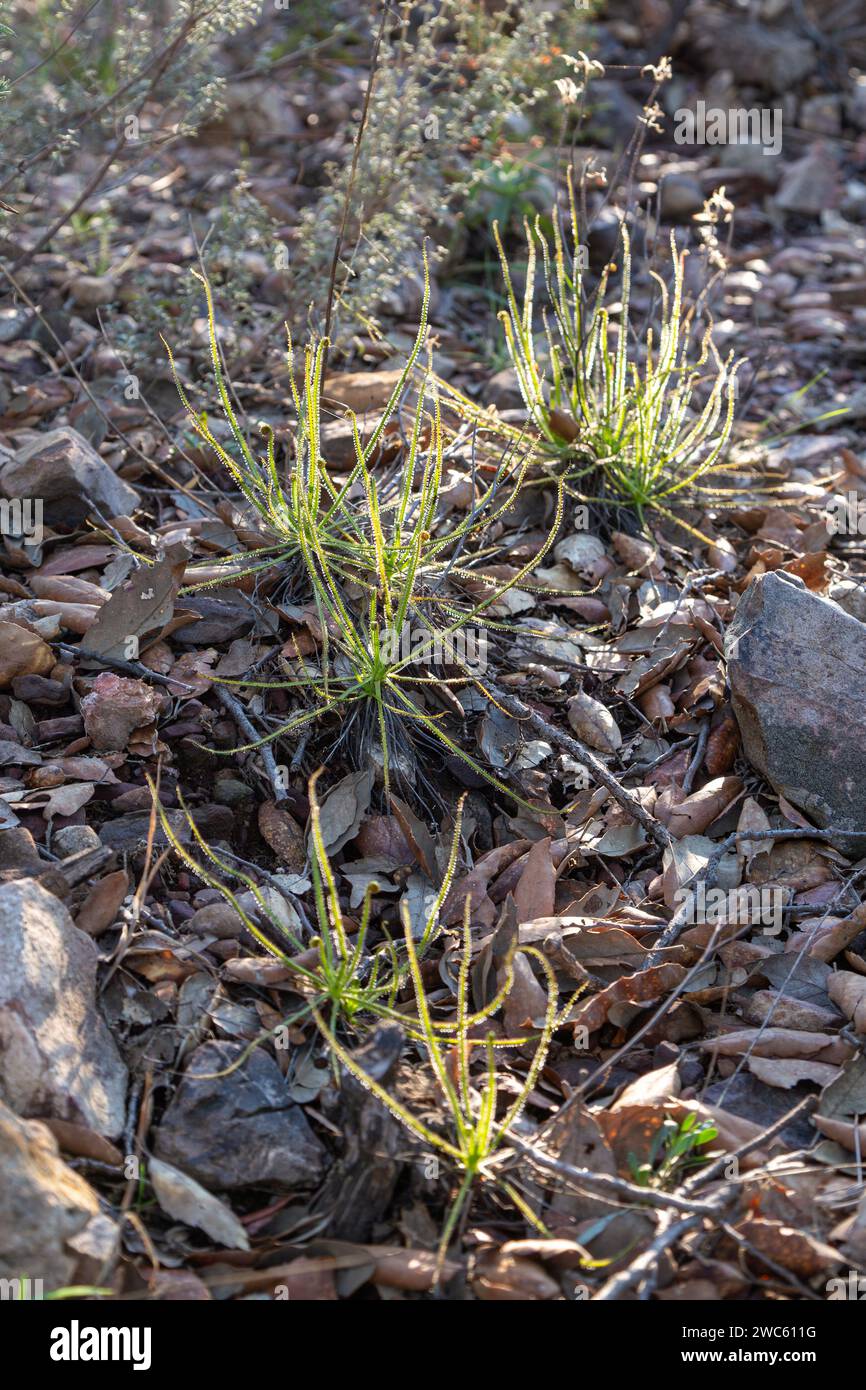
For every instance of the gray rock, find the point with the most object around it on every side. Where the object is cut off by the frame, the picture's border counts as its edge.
(850, 594)
(503, 390)
(49, 1216)
(853, 208)
(91, 291)
(231, 791)
(128, 834)
(811, 184)
(338, 442)
(72, 839)
(613, 113)
(822, 115)
(57, 1057)
(357, 1193)
(751, 1099)
(681, 195)
(239, 1129)
(64, 471)
(797, 670)
(222, 616)
(855, 103)
(772, 59)
(216, 919)
(749, 160)
(255, 112)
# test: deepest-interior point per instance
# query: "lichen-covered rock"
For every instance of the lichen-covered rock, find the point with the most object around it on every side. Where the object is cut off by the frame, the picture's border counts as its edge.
(797, 670)
(115, 708)
(50, 1220)
(57, 1057)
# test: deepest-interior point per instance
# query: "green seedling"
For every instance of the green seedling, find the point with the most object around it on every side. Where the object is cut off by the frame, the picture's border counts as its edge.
(673, 1151)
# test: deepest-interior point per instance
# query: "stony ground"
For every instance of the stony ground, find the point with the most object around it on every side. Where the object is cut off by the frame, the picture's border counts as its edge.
(149, 1146)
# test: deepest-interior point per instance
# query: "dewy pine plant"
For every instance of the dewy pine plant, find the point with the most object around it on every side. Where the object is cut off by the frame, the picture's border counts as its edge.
(628, 422)
(299, 514)
(343, 985)
(331, 972)
(370, 552)
(476, 1138)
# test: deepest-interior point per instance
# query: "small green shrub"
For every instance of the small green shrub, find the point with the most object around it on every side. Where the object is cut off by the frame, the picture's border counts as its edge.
(87, 79)
(449, 77)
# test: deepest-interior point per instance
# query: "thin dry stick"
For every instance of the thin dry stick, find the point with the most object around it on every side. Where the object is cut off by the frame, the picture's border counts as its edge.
(125, 668)
(766, 1136)
(607, 1185)
(646, 1264)
(579, 750)
(353, 171)
(697, 757)
(236, 711)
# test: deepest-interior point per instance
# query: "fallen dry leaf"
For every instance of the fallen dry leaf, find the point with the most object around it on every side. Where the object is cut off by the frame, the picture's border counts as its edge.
(186, 1200)
(789, 1072)
(22, 653)
(139, 608)
(284, 835)
(793, 1250)
(500, 1276)
(698, 811)
(593, 723)
(535, 894)
(849, 991)
(644, 987)
(99, 910)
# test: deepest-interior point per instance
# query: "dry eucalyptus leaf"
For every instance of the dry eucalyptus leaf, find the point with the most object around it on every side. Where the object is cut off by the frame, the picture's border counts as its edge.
(849, 991)
(284, 835)
(593, 723)
(343, 808)
(186, 1200)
